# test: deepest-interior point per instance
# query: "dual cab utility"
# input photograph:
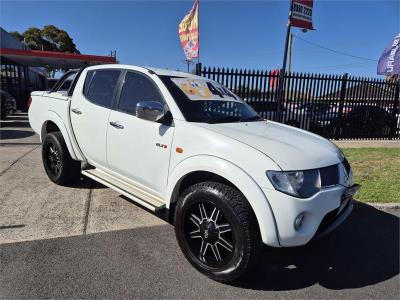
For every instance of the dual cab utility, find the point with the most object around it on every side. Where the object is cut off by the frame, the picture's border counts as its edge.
(190, 149)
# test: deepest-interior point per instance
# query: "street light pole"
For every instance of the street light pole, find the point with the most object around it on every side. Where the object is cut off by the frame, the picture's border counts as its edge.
(188, 62)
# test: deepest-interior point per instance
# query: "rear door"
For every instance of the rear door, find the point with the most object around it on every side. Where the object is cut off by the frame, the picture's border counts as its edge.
(90, 110)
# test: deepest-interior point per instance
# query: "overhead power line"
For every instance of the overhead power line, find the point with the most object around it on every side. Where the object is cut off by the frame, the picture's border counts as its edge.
(335, 51)
(363, 63)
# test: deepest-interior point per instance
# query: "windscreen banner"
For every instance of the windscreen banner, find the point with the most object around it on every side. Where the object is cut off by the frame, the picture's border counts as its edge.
(389, 62)
(189, 32)
(201, 89)
(301, 15)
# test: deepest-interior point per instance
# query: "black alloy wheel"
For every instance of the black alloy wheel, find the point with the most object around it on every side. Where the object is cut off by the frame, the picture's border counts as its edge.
(53, 159)
(209, 234)
(217, 230)
(57, 162)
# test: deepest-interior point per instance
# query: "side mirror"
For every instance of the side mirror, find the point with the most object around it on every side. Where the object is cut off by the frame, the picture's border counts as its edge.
(150, 110)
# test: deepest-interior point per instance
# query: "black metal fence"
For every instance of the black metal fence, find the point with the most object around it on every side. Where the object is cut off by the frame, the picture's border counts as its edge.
(334, 106)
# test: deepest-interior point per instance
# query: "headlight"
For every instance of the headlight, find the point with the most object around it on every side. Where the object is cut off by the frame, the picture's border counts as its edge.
(302, 184)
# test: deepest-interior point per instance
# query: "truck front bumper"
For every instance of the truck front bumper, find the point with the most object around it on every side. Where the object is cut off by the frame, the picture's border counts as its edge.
(319, 214)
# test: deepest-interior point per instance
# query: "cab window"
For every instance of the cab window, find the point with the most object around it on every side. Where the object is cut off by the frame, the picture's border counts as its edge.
(64, 83)
(136, 88)
(100, 86)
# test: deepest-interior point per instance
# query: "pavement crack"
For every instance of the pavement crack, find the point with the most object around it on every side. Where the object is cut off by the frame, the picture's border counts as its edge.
(18, 159)
(87, 210)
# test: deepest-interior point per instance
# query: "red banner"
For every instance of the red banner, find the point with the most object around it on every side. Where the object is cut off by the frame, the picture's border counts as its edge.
(301, 15)
(189, 32)
(273, 79)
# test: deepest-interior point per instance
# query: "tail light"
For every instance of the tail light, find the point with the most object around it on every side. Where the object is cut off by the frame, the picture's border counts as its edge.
(29, 102)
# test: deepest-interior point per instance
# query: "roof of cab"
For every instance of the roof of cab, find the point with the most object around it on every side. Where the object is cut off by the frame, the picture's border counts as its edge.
(165, 72)
(161, 72)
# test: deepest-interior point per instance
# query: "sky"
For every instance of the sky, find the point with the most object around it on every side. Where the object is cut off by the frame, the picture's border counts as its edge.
(234, 34)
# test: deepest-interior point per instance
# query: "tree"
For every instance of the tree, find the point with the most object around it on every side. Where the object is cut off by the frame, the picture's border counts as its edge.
(55, 39)
(50, 38)
(17, 35)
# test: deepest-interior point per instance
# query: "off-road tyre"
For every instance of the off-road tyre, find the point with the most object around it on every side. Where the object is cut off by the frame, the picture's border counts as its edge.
(235, 210)
(57, 162)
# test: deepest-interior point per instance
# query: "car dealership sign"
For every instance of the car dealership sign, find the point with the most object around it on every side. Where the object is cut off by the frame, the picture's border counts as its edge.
(301, 14)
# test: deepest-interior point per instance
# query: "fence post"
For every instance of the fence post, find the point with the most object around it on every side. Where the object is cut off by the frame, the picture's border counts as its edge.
(341, 104)
(393, 128)
(198, 69)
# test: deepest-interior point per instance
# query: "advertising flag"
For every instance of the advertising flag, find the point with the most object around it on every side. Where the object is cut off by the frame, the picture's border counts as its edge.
(301, 15)
(273, 80)
(189, 32)
(389, 62)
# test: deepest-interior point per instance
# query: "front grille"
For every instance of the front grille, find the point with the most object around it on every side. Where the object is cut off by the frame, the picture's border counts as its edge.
(329, 175)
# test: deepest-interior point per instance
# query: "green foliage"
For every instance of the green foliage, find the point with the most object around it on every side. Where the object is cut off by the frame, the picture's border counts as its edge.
(17, 35)
(50, 38)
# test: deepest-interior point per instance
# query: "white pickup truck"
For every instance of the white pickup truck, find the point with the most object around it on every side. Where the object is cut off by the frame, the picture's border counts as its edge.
(189, 149)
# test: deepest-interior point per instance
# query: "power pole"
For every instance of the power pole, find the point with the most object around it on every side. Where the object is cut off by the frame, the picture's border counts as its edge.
(291, 36)
(281, 93)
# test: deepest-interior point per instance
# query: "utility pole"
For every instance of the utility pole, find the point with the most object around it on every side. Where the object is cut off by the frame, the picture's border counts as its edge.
(281, 93)
(289, 58)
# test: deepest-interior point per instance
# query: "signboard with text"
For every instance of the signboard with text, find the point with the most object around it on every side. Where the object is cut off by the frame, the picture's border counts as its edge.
(201, 89)
(301, 15)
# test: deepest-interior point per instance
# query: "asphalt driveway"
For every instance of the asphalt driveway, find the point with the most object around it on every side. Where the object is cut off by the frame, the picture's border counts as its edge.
(88, 242)
(360, 260)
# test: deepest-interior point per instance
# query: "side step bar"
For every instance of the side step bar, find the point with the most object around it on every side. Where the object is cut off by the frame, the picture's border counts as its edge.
(136, 194)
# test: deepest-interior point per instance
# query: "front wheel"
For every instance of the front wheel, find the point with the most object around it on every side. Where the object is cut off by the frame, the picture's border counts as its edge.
(217, 230)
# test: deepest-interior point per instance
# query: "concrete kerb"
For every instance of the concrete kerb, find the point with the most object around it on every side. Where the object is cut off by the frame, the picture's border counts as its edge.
(383, 206)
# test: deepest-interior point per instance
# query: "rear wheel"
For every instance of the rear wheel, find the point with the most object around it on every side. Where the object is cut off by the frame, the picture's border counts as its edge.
(217, 230)
(57, 162)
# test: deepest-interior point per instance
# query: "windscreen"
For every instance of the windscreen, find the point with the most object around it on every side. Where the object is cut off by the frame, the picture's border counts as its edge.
(202, 100)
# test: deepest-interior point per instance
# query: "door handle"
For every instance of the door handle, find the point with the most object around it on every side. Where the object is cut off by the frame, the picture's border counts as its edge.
(116, 125)
(76, 111)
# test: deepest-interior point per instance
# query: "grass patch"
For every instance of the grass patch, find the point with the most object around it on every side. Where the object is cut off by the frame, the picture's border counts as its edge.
(378, 172)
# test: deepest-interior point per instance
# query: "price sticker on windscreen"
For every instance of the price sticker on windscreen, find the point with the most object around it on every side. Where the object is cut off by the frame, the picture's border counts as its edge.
(201, 89)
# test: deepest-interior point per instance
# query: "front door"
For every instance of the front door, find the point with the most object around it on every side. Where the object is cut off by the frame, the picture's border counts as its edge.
(138, 149)
(90, 110)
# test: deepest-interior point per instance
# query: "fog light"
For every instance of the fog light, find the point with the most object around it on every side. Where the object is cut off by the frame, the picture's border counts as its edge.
(298, 221)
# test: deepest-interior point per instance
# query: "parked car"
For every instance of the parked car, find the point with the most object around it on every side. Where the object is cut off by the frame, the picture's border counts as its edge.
(357, 120)
(188, 149)
(8, 104)
(291, 116)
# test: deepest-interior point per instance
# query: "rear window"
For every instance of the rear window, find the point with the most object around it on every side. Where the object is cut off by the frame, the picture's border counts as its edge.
(100, 86)
(64, 83)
